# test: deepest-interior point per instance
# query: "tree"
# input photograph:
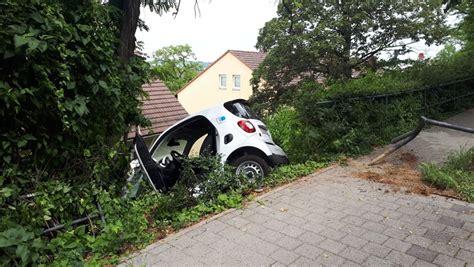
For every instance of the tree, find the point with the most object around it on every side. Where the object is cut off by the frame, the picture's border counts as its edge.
(332, 38)
(175, 65)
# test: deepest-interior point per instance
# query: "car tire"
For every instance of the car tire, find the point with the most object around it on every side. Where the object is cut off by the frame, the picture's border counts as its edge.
(251, 166)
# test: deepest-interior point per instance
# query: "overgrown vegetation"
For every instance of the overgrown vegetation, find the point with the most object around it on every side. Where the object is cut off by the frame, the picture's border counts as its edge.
(325, 121)
(457, 173)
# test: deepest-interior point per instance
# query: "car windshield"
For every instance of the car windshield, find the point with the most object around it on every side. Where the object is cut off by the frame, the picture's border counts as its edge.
(241, 109)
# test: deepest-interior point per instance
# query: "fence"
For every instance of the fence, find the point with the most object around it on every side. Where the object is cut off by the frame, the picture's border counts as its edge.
(425, 92)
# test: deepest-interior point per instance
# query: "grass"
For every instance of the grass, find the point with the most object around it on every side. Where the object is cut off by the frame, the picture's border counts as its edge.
(456, 174)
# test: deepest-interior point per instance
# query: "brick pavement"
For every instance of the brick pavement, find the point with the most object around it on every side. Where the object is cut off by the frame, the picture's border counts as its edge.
(328, 219)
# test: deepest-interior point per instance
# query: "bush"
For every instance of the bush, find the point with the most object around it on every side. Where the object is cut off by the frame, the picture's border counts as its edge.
(457, 173)
(349, 118)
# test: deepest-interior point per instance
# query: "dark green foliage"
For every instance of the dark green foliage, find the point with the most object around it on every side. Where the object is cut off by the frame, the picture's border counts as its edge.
(457, 173)
(65, 102)
(332, 39)
(321, 122)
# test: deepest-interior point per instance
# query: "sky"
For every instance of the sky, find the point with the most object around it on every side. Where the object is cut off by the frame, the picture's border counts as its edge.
(222, 25)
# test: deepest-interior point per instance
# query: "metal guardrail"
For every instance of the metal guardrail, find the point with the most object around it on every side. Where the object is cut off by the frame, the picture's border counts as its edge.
(425, 90)
(409, 136)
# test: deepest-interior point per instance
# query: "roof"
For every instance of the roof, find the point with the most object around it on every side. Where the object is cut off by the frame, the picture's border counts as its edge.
(248, 58)
(161, 107)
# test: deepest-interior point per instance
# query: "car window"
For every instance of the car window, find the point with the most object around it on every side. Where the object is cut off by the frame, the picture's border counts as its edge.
(241, 110)
(169, 145)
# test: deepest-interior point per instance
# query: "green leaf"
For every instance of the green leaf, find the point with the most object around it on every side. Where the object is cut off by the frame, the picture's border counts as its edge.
(20, 40)
(89, 79)
(37, 17)
(22, 143)
(103, 84)
(8, 54)
(22, 252)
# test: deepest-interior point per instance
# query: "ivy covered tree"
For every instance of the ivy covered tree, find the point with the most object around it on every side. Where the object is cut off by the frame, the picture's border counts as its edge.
(330, 39)
(175, 65)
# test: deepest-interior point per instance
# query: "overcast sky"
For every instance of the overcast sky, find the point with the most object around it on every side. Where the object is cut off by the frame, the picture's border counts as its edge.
(222, 25)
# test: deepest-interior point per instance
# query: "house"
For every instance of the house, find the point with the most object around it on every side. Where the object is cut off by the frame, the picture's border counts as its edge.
(162, 109)
(225, 79)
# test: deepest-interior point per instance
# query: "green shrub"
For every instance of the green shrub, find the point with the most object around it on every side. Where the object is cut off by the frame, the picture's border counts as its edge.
(457, 173)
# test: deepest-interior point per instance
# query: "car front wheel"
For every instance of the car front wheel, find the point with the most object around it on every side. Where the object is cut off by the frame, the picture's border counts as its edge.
(251, 166)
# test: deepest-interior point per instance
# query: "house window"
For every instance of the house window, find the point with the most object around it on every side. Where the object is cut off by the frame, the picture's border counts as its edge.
(222, 81)
(236, 81)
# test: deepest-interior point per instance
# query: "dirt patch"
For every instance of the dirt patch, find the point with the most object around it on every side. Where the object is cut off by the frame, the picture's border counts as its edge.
(401, 173)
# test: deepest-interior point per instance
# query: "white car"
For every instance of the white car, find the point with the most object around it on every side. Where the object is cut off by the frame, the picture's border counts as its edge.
(231, 130)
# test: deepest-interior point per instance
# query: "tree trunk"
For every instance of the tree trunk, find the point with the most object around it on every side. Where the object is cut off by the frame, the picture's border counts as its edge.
(347, 35)
(128, 26)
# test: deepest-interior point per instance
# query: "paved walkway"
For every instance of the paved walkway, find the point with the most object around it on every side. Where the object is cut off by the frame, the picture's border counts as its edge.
(327, 219)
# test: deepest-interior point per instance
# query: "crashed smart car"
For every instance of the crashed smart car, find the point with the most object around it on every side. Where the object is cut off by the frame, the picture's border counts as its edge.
(231, 130)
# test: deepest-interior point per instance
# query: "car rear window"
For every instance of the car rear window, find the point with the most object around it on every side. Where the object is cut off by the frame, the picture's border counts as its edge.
(241, 110)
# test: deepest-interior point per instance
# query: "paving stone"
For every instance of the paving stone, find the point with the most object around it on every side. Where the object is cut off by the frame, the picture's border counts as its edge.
(373, 226)
(411, 219)
(422, 253)
(329, 259)
(353, 241)
(400, 258)
(446, 249)
(354, 220)
(284, 256)
(422, 263)
(395, 233)
(155, 250)
(412, 211)
(373, 217)
(354, 255)
(433, 225)
(462, 243)
(459, 232)
(444, 260)
(333, 234)
(428, 216)
(308, 251)
(275, 225)
(461, 208)
(418, 240)
(468, 226)
(270, 235)
(375, 237)
(292, 231)
(397, 244)
(207, 237)
(311, 238)
(465, 255)
(332, 246)
(303, 262)
(258, 218)
(353, 230)
(388, 205)
(438, 236)
(289, 243)
(376, 262)
(451, 221)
